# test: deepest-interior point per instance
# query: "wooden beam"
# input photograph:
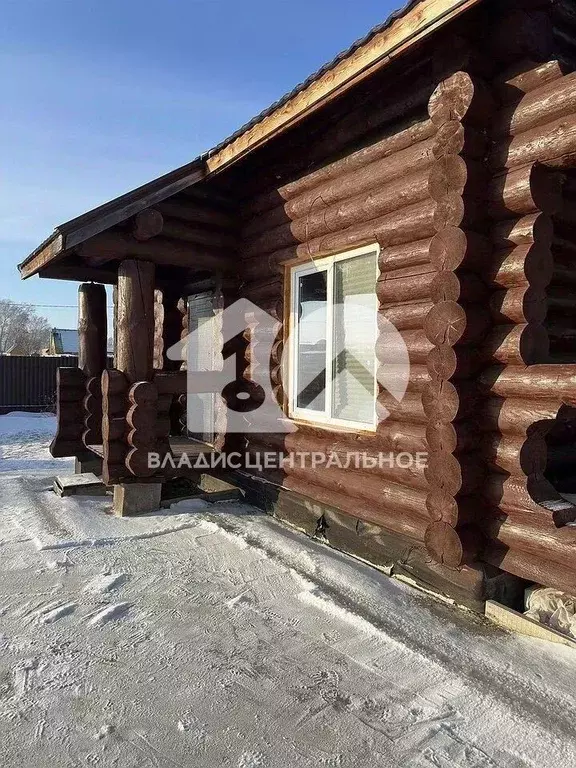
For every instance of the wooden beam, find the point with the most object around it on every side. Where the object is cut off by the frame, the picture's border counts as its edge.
(42, 256)
(135, 322)
(79, 273)
(159, 250)
(417, 23)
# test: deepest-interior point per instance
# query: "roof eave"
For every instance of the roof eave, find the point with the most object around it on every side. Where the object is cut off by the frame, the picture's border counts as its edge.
(80, 229)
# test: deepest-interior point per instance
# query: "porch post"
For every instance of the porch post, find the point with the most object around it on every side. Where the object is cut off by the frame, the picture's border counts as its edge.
(92, 329)
(92, 352)
(135, 358)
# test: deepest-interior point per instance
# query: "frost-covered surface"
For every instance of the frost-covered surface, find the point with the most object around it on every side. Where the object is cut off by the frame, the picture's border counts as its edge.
(211, 635)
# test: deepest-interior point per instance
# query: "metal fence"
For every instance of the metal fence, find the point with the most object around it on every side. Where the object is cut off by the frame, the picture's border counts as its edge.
(29, 383)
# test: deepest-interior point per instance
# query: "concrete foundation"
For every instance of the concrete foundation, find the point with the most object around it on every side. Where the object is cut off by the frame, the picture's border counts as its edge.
(137, 498)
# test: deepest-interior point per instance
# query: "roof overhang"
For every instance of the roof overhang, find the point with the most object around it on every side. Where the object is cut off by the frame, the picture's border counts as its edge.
(80, 229)
(403, 29)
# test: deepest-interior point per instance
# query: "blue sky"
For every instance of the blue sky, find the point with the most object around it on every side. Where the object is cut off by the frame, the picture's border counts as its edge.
(100, 97)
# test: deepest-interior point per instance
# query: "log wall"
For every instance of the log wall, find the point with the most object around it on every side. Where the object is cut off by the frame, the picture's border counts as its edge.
(469, 194)
(460, 164)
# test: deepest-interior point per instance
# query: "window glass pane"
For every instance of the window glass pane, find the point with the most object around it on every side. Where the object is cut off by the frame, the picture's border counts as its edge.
(202, 350)
(354, 339)
(311, 350)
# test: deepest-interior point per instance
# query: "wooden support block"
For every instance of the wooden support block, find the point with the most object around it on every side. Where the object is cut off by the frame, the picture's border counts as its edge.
(86, 484)
(137, 498)
(517, 622)
(88, 463)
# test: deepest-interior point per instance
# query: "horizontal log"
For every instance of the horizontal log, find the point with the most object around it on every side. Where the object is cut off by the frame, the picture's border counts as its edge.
(533, 228)
(378, 491)
(562, 339)
(515, 454)
(530, 496)
(460, 97)
(117, 245)
(394, 288)
(409, 524)
(531, 567)
(452, 248)
(62, 449)
(265, 285)
(562, 305)
(542, 382)
(527, 76)
(180, 230)
(564, 15)
(392, 144)
(323, 219)
(406, 255)
(395, 378)
(529, 189)
(456, 210)
(521, 265)
(454, 511)
(544, 543)
(518, 305)
(457, 437)
(457, 175)
(410, 271)
(444, 402)
(312, 448)
(383, 172)
(553, 143)
(454, 474)
(407, 316)
(70, 413)
(114, 452)
(549, 102)
(400, 436)
(463, 287)
(391, 347)
(408, 411)
(449, 547)
(71, 394)
(448, 362)
(194, 213)
(147, 224)
(406, 225)
(449, 323)
(114, 382)
(518, 416)
(565, 43)
(516, 344)
(455, 138)
(114, 429)
(70, 378)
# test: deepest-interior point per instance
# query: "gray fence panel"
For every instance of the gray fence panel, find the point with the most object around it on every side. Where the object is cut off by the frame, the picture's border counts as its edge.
(29, 383)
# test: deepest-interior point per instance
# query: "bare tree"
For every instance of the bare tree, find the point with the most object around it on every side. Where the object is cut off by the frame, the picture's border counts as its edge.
(22, 330)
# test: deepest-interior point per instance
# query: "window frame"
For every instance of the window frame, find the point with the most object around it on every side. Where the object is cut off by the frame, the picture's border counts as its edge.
(306, 415)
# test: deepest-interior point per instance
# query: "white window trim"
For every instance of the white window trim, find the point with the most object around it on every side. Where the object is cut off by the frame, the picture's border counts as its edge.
(305, 414)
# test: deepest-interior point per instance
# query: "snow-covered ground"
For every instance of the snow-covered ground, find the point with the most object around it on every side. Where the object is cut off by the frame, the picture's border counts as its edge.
(211, 635)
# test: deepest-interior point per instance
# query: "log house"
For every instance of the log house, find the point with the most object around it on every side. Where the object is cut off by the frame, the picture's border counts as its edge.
(439, 150)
